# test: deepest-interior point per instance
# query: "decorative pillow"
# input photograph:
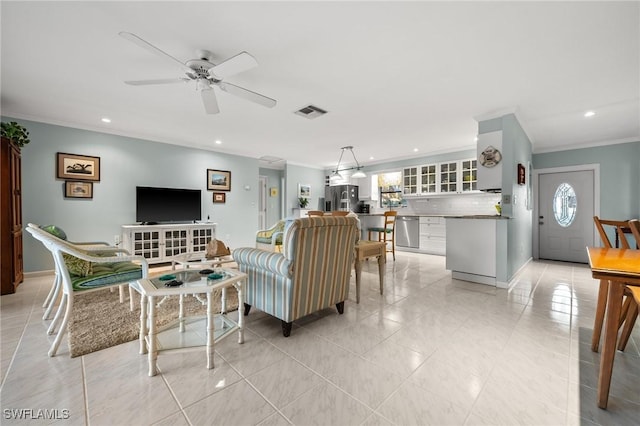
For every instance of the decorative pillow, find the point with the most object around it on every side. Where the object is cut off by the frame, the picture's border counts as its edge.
(55, 231)
(76, 266)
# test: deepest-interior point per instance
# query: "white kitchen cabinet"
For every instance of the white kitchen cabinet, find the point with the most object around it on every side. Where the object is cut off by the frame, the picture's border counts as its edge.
(490, 161)
(452, 177)
(428, 179)
(410, 180)
(433, 233)
(161, 243)
(367, 187)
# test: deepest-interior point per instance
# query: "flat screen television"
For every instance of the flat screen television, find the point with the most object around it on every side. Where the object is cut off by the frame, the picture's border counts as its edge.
(167, 204)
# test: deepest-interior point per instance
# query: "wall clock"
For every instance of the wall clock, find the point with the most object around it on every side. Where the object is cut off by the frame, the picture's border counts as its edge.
(490, 157)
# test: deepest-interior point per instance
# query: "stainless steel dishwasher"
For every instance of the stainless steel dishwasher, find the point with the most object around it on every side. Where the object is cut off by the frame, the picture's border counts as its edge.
(408, 231)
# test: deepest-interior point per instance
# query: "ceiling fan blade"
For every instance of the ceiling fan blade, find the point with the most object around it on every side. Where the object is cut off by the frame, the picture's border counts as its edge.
(159, 81)
(209, 101)
(151, 48)
(247, 94)
(243, 61)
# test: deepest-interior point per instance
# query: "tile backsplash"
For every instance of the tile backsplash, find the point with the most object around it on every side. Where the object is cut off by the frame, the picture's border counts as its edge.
(467, 204)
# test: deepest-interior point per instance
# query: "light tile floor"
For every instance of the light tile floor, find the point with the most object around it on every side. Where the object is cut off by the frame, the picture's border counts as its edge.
(432, 350)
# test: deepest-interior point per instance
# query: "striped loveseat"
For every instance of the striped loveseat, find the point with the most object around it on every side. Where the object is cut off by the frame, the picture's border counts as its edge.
(311, 273)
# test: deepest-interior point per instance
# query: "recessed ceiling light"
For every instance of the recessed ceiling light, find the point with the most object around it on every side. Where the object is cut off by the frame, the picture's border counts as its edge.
(106, 120)
(589, 114)
(218, 142)
(415, 149)
(371, 158)
(475, 139)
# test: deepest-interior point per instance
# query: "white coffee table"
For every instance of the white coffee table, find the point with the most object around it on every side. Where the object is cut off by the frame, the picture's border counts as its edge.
(189, 332)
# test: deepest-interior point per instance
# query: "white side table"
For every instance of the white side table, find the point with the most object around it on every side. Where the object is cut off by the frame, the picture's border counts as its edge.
(189, 332)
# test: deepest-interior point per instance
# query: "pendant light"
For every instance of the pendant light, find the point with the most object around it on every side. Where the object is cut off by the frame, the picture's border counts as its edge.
(335, 175)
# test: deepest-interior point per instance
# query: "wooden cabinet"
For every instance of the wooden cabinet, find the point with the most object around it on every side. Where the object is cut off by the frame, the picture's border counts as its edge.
(11, 264)
(433, 235)
(162, 243)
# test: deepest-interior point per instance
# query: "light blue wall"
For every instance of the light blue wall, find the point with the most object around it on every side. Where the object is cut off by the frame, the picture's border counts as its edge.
(520, 226)
(126, 163)
(619, 175)
(295, 175)
(516, 247)
(274, 179)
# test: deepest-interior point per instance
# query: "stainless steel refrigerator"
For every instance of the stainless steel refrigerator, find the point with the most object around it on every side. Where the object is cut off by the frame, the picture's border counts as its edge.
(341, 197)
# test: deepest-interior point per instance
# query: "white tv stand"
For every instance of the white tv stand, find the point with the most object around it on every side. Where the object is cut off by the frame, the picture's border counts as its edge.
(163, 242)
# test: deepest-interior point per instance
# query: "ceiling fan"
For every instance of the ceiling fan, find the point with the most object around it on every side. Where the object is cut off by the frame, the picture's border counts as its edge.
(206, 74)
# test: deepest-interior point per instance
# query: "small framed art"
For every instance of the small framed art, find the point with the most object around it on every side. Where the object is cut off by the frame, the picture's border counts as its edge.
(78, 167)
(304, 190)
(219, 197)
(78, 189)
(218, 180)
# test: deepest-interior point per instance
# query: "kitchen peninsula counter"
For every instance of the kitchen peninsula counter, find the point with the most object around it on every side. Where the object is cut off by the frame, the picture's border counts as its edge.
(474, 248)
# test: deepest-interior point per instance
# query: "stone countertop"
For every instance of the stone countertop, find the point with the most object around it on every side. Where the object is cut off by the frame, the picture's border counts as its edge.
(448, 216)
(478, 216)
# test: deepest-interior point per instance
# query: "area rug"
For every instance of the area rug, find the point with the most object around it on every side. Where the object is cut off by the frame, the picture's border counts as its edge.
(99, 320)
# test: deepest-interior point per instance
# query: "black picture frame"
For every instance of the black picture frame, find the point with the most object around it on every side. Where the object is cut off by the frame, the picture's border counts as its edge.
(77, 167)
(78, 189)
(218, 180)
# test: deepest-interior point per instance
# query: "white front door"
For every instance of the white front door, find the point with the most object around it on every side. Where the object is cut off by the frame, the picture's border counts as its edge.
(566, 210)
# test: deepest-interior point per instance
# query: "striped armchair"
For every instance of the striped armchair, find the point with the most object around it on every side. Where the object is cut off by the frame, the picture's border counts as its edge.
(311, 273)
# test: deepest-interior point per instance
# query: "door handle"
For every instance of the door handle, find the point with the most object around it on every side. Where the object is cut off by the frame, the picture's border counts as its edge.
(540, 217)
(540, 223)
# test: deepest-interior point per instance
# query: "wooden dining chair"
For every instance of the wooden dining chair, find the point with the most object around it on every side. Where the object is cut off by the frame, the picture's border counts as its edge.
(633, 296)
(627, 312)
(339, 213)
(387, 232)
(315, 213)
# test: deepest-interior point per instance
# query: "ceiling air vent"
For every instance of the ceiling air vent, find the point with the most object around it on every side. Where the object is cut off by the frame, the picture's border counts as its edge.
(310, 112)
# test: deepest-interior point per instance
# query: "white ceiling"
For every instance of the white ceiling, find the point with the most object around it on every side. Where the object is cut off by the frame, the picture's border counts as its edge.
(393, 76)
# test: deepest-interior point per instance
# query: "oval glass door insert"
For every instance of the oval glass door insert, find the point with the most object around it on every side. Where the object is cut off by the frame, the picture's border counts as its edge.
(565, 205)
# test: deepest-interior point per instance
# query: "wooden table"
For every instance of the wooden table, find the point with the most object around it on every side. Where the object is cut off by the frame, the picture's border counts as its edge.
(365, 249)
(620, 267)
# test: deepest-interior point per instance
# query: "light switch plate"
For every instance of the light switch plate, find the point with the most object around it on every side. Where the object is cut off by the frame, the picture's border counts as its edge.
(506, 199)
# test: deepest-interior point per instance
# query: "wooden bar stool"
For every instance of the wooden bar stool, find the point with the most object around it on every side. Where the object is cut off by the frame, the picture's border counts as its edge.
(387, 233)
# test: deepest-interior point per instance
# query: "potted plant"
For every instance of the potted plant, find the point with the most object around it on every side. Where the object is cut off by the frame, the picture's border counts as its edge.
(303, 202)
(15, 132)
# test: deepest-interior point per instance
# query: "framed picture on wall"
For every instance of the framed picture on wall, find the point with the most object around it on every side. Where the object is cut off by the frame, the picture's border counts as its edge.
(304, 190)
(77, 167)
(219, 197)
(78, 189)
(218, 180)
